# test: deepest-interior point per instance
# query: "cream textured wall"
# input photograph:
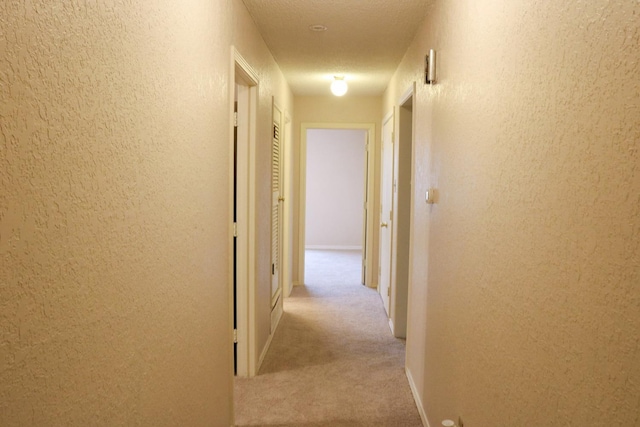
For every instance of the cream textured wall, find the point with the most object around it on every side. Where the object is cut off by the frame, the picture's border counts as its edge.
(335, 187)
(272, 86)
(525, 293)
(114, 202)
(332, 109)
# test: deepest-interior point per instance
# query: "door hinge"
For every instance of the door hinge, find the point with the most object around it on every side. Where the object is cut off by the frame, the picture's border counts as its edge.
(235, 336)
(393, 137)
(235, 119)
(389, 291)
(235, 229)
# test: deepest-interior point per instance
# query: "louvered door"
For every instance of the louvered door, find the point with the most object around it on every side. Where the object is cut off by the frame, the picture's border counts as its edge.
(276, 211)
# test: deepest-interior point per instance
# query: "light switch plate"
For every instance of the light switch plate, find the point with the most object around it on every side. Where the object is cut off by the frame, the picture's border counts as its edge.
(429, 196)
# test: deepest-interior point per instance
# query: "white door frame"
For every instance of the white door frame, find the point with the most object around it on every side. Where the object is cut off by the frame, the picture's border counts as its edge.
(287, 235)
(241, 73)
(302, 179)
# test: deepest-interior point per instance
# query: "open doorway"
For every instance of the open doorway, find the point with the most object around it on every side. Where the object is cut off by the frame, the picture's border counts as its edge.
(335, 216)
(401, 238)
(340, 193)
(244, 96)
(395, 212)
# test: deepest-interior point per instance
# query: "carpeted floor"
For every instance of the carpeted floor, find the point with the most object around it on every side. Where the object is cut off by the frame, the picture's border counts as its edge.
(333, 360)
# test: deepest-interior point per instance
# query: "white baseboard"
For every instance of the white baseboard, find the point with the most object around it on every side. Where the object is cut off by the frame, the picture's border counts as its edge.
(276, 315)
(416, 397)
(268, 343)
(264, 353)
(334, 247)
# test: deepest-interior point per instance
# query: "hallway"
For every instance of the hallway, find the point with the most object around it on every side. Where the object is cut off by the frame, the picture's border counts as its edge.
(143, 145)
(333, 360)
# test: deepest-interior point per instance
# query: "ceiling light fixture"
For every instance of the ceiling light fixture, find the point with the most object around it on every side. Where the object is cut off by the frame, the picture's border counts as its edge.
(338, 86)
(317, 27)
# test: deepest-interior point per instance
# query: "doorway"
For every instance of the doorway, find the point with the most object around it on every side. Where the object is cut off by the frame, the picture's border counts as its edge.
(403, 160)
(335, 192)
(335, 189)
(364, 210)
(395, 212)
(244, 96)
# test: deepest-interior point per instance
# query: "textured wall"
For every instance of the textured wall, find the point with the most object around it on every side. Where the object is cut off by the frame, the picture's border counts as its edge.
(332, 109)
(525, 298)
(114, 302)
(335, 183)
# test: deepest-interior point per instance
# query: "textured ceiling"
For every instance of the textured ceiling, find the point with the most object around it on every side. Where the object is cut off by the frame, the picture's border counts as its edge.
(364, 41)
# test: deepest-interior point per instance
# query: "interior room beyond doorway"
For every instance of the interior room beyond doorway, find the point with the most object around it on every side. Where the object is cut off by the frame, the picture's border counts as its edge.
(335, 189)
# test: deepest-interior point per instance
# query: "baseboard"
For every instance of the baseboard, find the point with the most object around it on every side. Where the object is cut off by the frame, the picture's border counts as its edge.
(334, 247)
(416, 398)
(264, 353)
(268, 343)
(276, 315)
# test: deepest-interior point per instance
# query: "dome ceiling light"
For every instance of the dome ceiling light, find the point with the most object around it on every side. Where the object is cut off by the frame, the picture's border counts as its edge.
(339, 86)
(318, 28)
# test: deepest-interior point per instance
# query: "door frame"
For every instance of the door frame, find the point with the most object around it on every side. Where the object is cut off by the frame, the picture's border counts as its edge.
(242, 73)
(368, 256)
(287, 235)
(402, 203)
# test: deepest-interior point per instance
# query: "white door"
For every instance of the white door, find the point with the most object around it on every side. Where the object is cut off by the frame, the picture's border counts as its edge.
(365, 255)
(386, 214)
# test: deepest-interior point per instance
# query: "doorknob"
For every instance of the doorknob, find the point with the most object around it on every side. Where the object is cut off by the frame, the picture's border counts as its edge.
(281, 199)
(384, 224)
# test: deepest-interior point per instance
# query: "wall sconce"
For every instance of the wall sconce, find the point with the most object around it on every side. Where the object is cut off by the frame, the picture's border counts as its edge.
(339, 86)
(430, 68)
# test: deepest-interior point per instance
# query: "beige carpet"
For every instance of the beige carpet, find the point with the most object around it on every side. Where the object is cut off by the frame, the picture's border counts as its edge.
(333, 360)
